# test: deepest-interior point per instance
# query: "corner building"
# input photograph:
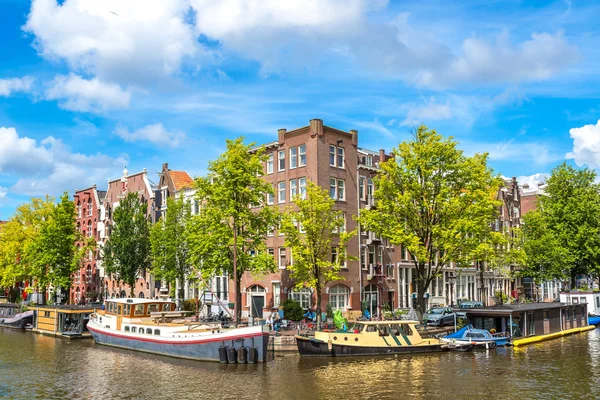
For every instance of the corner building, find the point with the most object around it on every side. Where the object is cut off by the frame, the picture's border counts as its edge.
(332, 159)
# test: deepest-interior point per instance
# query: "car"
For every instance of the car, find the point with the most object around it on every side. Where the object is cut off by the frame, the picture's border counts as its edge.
(439, 316)
(470, 304)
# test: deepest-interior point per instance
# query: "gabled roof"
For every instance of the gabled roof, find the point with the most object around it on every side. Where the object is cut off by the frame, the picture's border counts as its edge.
(181, 180)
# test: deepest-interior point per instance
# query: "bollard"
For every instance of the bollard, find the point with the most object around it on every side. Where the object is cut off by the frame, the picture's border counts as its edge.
(242, 354)
(231, 355)
(223, 354)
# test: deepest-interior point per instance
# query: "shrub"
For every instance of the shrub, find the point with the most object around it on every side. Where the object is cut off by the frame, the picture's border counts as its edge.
(189, 305)
(329, 311)
(292, 310)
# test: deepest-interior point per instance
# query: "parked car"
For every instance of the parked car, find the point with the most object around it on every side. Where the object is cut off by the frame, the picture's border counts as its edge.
(470, 304)
(439, 316)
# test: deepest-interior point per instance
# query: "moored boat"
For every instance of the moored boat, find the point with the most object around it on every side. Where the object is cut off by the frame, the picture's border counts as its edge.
(481, 338)
(371, 338)
(153, 326)
(18, 321)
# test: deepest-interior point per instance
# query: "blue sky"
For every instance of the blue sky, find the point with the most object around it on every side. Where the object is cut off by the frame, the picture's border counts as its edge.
(88, 87)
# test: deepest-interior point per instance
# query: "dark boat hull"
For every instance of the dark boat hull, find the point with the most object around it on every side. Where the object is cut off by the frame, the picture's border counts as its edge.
(19, 321)
(312, 347)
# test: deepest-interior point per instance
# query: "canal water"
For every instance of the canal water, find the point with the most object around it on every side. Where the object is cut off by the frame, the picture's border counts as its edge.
(40, 367)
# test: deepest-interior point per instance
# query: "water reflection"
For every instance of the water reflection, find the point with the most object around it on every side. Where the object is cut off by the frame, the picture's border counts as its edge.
(34, 366)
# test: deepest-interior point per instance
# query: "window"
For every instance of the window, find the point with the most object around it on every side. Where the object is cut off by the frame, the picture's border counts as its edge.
(380, 255)
(390, 271)
(139, 309)
(276, 294)
(302, 153)
(89, 207)
(220, 287)
(163, 197)
(340, 157)
(341, 189)
(338, 297)
(152, 308)
(598, 301)
(293, 157)
(361, 187)
(157, 332)
(293, 189)
(371, 255)
(281, 191)
(281, 158)
(134, 329)
(148, 331)
(333, 188)
(196, 207)
(126, 328)
(78, 210)
(271, 231)
(271, 197)
(363, 257)
(332, 156)
(166, 307)
(302, 184)
(343, 224)
(271, 252)
(282, 259)
(334, 255)
(302, 296)
(370, 190)
(270, 160)
(89, 229)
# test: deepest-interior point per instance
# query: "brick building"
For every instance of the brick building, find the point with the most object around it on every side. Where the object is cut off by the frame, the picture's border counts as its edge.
(86, 281)
(139, 183)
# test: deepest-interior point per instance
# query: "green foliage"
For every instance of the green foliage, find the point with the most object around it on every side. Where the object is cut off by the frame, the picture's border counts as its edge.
(329, 310)
(190, 305)
(170, 248)
(311, 230)
(229, 233)
(500, 297)
(292, 310)
(562, 238)
(434, 201)
(127, 250)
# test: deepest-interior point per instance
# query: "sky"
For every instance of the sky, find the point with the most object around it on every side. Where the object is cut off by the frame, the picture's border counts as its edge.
(89, 87)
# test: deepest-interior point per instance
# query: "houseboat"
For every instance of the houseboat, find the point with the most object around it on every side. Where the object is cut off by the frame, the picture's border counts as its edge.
(152, 326)
(11, 317)
(372, 338)
(68, 321)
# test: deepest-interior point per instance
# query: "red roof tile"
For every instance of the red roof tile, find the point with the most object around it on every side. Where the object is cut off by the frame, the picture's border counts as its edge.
(181, 179)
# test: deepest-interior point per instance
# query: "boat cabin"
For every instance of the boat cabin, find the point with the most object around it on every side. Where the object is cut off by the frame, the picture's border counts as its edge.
(592, 299)
(68, 321)
(528, 319)
(118, 314)
(8, 310)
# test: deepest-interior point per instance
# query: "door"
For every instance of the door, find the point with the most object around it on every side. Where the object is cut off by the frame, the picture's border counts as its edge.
(258, 302)
(119, 316)
(371, 297)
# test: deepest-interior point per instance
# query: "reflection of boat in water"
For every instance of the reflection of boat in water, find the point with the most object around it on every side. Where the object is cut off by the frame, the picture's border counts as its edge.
(153, 326)
(370, 338)
(18, 321)
(481, 338)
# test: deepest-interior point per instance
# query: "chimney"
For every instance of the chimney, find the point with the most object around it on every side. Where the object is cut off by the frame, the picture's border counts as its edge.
(354, 134)
(316, 127)
(381, 155)
(281, 136)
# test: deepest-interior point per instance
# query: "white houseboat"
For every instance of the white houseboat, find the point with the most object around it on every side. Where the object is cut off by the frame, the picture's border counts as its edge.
(153, 326)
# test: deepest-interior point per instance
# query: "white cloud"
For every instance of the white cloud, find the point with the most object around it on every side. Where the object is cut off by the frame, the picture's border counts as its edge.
(12, 85)
(586, 145)
(533, 180)
(118, 41)
(538, 153)
(154, 133)
(424, 113)
(3, 192)
(49, 166)
(78, 94)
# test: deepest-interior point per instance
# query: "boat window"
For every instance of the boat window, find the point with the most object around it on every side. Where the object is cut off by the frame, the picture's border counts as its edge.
(152, 308)
(148, 331)
(405, 330)
(475, 335)
(100, 319)
(126, 328)
(127, 310)
(157, 332)
(166, 307)
(133, 329)
(139, 309)
(356, 328)
(371, 328)
(119, 309)
(383, 330)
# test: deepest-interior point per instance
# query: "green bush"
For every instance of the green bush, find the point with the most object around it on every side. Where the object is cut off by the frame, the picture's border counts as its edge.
(292, 310)
(189, 305)
(329, 311)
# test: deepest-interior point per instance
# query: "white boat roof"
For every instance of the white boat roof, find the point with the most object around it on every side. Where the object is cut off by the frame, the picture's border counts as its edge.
(138, 301)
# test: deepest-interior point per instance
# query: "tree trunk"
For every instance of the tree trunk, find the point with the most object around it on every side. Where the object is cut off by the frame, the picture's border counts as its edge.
(238, 301)
(181, 290)
(573, 280)
(318, 308)
(131, 289)
(421, 301)
(482, 296)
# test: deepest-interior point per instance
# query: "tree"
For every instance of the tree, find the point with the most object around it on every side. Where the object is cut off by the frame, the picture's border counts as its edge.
(53, 254)
(562, 238)
(127, 250)
(18, 234)
(311, 230)
(430, 198)
(170, 250)
(228, 235)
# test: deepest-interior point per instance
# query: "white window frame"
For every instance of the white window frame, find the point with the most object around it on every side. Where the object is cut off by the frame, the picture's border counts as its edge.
(281, 192)
(302, 155)
(293, 189)
(333, 186)
(302, 187)
(337, 293)
(341, 157)
(302, 296)
(293, 157)
(341, 189)
(271, 198)
(332, 155)
(281, 160)
(276, 294)
(270, 162)
(282, 255)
